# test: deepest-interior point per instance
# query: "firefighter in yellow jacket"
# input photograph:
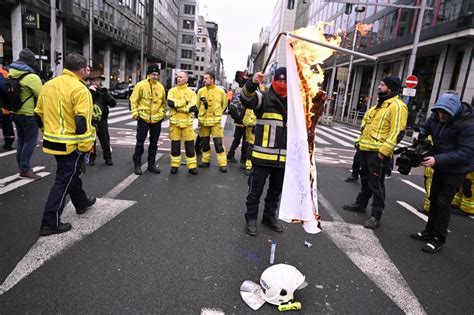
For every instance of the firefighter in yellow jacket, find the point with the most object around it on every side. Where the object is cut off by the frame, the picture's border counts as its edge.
(182, 104)
(64, 114)
(148, 108)
(384, 127)
(211, 102)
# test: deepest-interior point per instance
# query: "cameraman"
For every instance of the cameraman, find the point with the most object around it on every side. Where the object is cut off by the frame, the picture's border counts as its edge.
(382, 129)
(452, 128)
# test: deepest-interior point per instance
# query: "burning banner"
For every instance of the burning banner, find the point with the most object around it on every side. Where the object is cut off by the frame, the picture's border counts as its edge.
(299, 203)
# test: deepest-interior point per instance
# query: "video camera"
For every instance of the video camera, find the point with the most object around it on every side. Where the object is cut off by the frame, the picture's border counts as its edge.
(413, 155)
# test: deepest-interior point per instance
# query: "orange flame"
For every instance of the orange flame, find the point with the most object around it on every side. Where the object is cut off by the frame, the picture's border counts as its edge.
(363, 29)
(309, 58)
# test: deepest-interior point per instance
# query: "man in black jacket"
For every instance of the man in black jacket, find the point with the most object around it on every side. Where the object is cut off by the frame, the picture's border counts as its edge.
(237, 111)
(103, 100)
(452, 128)
(269, 151)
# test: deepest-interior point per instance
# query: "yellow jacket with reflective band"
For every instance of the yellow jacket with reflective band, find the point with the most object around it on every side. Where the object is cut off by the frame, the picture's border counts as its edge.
(184, 98)
(60, 100)
(217, 103)
(382, 126)
(148, 101)
(249, 118)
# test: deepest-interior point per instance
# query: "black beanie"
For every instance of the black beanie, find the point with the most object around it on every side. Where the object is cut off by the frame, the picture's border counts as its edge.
(280, 74)
(28, 57)
(393, 83)
(152, 68)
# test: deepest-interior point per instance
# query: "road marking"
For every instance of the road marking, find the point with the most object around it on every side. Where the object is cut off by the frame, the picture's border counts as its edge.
(327, 135)
(413, 185)
(48, 247)
(212, 311)
(114, 192)
(120, 112)
(21, 182)
(118, 119)
(7, 153)
(365, 251)
(413, 210)
(17, 175)
(339, 134)
(319, 140)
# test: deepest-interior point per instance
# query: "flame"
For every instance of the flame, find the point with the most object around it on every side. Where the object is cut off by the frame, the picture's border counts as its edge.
(309, 58)
(363, 29)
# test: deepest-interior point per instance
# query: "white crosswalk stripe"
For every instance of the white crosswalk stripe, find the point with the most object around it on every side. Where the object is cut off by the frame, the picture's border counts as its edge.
(336, 135)
(14, 181)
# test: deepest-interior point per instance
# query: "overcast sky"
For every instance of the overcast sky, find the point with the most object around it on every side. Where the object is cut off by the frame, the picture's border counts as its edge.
(239, 23)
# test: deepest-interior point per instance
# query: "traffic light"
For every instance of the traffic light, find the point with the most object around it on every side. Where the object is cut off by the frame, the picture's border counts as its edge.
(348, 9)
(58, 57)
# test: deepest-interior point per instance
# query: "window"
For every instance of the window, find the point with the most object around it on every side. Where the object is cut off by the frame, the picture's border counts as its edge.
(203, 49)
(196, 68)
(189, 9)
(201, 68)
(197, 58)
(185, 66)
(186, 54)
(199, 30)
(202, 59)
(187, 39)
(188, 24)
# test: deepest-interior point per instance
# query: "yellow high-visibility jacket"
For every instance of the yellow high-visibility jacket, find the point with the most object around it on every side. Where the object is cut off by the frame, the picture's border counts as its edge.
(60, 100)
(250, 119)
(148, 101)
(183, 98)
(382, 126)
(217, 103)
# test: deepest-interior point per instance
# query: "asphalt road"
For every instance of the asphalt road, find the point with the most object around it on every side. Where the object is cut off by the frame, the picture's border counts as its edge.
(175, 244)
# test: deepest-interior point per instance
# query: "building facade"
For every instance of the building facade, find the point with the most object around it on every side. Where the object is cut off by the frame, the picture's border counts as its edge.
(444, 58)
(203, 51)
(283, 19)
(188, 21)
(122, 30)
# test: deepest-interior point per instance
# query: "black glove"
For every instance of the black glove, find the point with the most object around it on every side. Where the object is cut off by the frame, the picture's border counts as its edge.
(204, 101)
(171, 104)
(194, 110)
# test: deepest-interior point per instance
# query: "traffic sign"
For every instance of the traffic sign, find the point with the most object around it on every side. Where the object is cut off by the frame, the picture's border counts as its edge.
(411, 81)
(409, 92)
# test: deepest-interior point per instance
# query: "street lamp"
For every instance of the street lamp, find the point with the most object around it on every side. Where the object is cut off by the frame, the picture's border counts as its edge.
(358, 10)
(142, 45)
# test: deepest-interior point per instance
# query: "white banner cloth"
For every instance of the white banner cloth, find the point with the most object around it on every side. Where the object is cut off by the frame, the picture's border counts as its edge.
(299, 200)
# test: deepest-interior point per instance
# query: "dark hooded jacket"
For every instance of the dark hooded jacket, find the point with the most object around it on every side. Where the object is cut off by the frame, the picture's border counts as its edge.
(453, 141)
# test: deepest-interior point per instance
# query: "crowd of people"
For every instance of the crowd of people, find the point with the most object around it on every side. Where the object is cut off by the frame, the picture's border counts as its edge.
(72, 113)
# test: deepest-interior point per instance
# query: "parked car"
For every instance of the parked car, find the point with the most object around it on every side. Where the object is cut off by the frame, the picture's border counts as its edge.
(121, 90)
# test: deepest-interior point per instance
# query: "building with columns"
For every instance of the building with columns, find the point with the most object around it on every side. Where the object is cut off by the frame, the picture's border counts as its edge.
(444, 58)
(117, 41)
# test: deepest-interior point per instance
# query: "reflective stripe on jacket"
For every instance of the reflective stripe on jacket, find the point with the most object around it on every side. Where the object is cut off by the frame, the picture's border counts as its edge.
(383, 125)
(270, 129)
(216, 102)
(183, 98)
(148, 101)
(60, 100)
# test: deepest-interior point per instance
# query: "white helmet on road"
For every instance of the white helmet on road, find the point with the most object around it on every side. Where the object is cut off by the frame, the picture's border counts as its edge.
(279, 282)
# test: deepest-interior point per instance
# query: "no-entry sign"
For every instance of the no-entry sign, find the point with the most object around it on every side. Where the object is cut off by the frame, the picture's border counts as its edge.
(411, 82)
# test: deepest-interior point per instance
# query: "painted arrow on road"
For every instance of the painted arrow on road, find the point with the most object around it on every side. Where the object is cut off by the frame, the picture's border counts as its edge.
(48, 247)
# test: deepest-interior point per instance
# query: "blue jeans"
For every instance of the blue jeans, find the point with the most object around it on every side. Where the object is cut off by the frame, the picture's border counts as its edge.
(27, 133)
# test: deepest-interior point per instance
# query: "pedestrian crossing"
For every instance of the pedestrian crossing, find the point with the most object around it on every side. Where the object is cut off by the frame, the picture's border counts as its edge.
(336, 135)
(14, 181)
